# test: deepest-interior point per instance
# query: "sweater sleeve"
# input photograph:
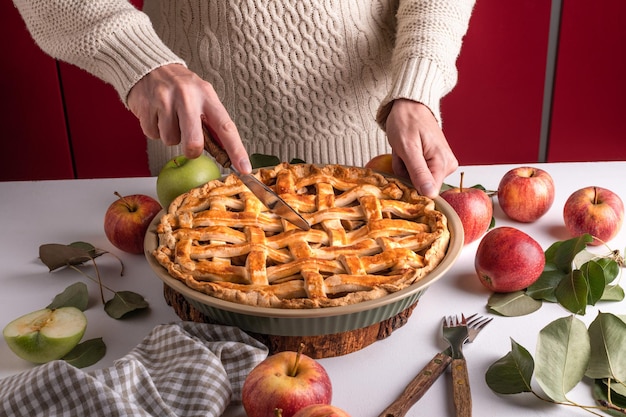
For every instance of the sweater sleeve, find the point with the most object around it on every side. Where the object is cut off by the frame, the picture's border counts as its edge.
(110, 39)
(429, 34)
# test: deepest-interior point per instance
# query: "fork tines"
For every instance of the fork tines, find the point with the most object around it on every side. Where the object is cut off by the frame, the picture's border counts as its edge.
(478, 321)
(451, 321)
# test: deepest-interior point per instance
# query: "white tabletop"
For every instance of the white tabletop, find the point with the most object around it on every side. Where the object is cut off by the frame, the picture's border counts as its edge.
(364, 382)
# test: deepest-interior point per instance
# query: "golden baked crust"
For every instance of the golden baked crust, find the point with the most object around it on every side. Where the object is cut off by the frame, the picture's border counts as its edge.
(370, 236)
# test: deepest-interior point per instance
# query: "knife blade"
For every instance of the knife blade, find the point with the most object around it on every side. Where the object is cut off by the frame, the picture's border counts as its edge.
(265, 194)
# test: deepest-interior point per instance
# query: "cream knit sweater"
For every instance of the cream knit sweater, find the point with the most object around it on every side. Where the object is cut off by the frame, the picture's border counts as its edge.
(300, 78)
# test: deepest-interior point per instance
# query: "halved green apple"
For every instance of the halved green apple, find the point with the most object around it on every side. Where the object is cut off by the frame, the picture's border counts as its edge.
(47, 334)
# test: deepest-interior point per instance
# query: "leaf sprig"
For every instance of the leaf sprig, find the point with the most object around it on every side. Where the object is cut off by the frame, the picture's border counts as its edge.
(572, 277)
(90, 351)
(56, 255)
(566, 353)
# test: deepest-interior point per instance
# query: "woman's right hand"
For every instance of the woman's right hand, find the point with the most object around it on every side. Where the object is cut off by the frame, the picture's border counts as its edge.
(170, 103)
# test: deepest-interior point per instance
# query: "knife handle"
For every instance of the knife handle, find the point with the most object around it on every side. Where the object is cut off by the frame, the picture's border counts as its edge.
(461, 388)
(418, 386)
(214, 147)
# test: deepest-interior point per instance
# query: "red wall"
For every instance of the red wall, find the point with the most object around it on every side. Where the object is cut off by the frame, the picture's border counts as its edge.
(60, 122)
(589, 107)
(494, 113)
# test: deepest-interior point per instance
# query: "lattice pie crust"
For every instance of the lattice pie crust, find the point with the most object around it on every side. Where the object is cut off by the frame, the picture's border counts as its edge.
(371, 235)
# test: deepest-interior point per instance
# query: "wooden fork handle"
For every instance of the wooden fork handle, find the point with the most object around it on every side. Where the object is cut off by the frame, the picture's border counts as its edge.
(418, 386)
(461, 388)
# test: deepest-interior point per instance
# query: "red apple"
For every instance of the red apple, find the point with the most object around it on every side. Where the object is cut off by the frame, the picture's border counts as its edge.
(127, 219)
(594, 210)
(321, 410)
(474, 207)
(381, 163)
(508, 260)
(287, 381)
(525, 193)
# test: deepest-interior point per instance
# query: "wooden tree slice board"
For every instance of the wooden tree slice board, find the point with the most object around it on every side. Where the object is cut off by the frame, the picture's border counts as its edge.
(317, 347)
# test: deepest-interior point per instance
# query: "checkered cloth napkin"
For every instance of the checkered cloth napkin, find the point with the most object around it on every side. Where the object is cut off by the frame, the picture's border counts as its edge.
(181, 369)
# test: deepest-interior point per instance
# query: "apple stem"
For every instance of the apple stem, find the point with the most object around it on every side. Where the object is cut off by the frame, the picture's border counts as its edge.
(278, 412)
(595, 195)
(128, 205)
(296, 363)
(461, 182)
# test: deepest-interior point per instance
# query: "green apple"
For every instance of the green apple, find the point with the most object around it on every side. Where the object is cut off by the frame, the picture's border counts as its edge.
(47, 334)
(180, 174)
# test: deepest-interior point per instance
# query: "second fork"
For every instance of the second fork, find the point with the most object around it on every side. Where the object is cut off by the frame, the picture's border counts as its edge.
(456, 333)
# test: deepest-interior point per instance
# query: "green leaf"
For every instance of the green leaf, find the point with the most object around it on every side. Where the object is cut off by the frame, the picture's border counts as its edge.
(562, 355)
(572, 292)
(89, 248)
(600, 394)
(613, 293)
(562, 253)
(597, 278)
(124, 302)
(259, 160)
(608, 356)
(610, 268)
(512, 373)
(56, 255)
(76, 295)
(86, 353)
(513, 304)
(545, 286)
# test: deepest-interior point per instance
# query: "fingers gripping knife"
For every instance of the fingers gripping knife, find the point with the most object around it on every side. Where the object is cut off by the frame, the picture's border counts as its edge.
(265, 194)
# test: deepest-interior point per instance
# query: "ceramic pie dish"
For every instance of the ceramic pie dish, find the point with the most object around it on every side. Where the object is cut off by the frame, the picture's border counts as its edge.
(310, 321)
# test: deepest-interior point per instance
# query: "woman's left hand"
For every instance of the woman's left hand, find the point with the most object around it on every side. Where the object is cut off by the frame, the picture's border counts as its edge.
(420, 150)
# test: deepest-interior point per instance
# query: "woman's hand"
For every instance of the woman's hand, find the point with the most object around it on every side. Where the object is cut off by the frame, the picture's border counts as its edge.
(420, 149)
(170, 103)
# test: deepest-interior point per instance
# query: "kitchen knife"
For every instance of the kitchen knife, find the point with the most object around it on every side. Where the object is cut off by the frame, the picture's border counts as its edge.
(267, 196)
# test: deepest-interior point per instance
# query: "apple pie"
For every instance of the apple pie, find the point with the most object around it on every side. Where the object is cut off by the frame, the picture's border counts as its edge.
(370, 236)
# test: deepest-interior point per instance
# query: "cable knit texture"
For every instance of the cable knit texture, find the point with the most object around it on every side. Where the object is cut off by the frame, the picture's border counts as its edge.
(301, 79)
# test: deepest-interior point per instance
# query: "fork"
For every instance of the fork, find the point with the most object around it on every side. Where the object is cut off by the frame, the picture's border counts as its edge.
(455, 332)
(475, 324)
(429, 374)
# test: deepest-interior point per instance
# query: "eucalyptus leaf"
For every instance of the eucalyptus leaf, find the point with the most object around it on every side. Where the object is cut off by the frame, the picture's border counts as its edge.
(89, 248)
(56, 255)
(600, 393)
(613, 293)
(582, 257)
(610, 268)
(86, 353)
(562, 253)
(513, 304)
(124, 302)
(616, 387)
(608, 356)
(545, 286)
(597, 278)
(76, 295)
(561, 357)
(512, 373)
(572, 292)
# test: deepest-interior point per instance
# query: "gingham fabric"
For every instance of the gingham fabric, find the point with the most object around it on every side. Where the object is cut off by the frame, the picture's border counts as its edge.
(181, 369)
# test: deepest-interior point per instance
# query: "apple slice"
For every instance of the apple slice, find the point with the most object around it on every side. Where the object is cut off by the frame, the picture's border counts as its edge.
(45, 335)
